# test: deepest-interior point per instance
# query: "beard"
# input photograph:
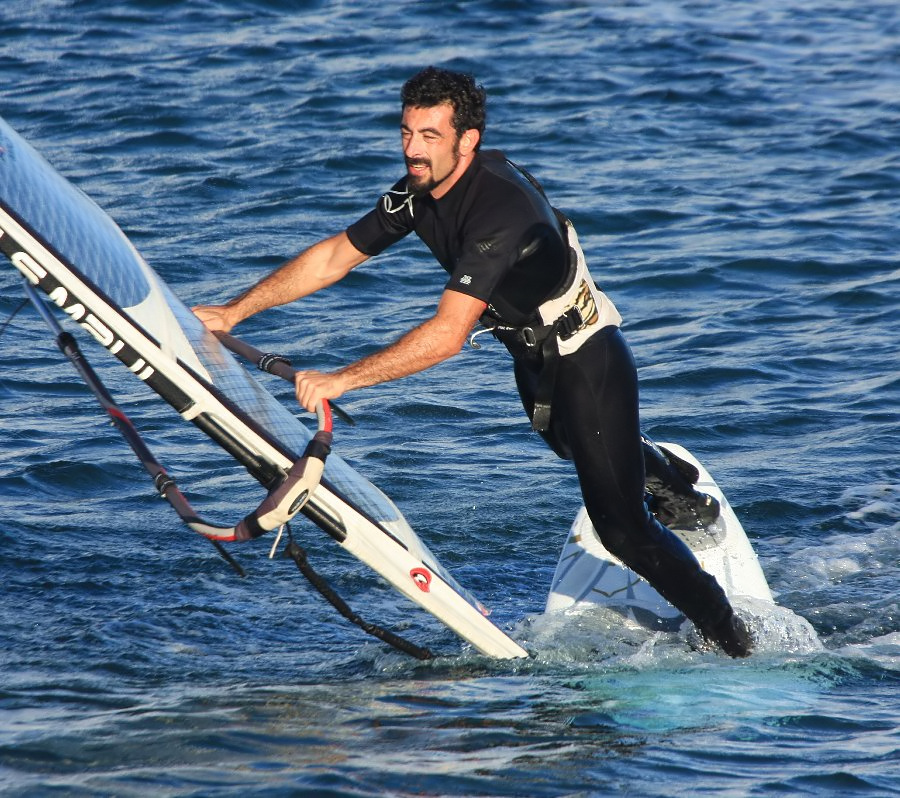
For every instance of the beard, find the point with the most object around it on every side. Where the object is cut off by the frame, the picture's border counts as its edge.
(419, 185)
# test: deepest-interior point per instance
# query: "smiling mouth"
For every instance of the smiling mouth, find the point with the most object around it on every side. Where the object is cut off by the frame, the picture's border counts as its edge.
(421, 178)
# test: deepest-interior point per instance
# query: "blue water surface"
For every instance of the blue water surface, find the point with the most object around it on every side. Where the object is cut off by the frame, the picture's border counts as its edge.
(733, 169)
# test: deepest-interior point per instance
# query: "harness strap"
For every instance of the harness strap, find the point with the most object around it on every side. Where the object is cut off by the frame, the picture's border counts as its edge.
(530, 337)
(543, 397)
(528, 341)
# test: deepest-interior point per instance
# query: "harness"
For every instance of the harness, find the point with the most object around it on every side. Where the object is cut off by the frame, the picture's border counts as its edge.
(575, 307)
(533, 341)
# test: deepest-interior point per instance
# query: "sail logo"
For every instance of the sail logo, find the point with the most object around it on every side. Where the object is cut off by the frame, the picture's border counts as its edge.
(37, 275)
(30, 268)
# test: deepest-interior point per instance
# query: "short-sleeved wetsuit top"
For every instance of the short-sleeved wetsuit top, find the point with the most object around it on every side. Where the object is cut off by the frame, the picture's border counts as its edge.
(494, 232)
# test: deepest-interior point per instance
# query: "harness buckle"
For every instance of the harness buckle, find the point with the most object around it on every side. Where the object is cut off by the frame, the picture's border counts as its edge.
(529, 337)
(570, 322)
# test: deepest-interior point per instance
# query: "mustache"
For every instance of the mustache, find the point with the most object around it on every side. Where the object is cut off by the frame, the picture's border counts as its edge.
(417, 162)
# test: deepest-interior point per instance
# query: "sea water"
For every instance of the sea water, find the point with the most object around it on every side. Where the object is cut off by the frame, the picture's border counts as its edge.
(733, 169)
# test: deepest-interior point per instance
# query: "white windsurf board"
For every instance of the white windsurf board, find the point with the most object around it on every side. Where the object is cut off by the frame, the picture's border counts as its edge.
(587, 574)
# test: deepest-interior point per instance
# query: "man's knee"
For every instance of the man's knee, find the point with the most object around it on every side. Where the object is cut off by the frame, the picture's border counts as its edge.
(620, 540)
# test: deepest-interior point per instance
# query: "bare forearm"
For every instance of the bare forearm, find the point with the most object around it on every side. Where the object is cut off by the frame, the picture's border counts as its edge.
(299, 277)
(421, 348)
(435, 340)
(315, 268)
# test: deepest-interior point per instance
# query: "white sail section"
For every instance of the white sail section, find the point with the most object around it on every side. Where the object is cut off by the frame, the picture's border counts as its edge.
(61, 241)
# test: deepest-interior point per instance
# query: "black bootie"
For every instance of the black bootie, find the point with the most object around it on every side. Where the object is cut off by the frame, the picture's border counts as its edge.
(731, 635)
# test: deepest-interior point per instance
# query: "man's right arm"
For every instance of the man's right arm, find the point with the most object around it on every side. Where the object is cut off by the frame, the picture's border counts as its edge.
(319, 266)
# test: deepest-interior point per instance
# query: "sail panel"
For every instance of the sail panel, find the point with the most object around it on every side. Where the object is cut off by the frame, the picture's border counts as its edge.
(82, 236)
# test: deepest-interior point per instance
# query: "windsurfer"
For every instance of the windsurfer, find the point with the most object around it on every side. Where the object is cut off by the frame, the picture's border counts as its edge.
(516, 265)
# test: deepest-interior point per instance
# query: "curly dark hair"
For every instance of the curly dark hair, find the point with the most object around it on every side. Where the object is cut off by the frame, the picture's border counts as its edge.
(433, 86)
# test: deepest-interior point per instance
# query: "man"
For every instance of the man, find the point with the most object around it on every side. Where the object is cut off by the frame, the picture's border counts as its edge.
(515, 264)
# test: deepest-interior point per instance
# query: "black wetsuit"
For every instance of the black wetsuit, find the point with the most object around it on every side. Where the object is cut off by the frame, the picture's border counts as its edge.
(497, 236)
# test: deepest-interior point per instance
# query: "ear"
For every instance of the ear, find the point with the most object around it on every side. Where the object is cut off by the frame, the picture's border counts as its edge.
(468, 141)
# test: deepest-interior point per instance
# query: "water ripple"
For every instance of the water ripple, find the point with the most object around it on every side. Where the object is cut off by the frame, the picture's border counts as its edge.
(733, 173)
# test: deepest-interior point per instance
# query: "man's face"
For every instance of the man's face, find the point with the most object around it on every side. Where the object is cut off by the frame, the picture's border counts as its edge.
(430, 146)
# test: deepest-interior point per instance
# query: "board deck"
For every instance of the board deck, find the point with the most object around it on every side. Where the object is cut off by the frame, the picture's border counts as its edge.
(587, 574)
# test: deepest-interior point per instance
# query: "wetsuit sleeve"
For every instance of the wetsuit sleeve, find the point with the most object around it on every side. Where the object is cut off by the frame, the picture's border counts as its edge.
(488, 253)
(386, 224)
(512, 255)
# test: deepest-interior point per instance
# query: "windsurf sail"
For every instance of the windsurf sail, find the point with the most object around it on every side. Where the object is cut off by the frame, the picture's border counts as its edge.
(68, 248)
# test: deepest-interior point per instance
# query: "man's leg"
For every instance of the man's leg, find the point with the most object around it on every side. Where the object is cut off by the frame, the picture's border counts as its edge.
(674, 499)
(596, 399)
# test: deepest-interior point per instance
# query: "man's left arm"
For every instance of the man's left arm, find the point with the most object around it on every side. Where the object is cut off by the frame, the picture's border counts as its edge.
(433, 341)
